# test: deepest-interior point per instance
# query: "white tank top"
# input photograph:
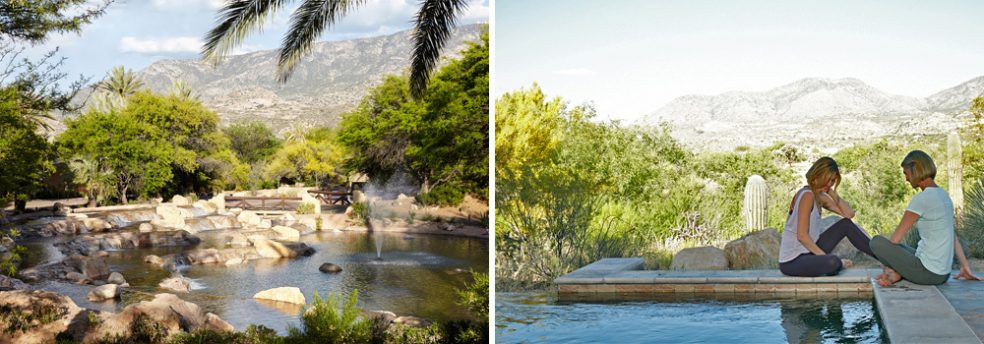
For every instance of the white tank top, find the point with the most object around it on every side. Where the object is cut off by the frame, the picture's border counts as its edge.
(790, 247)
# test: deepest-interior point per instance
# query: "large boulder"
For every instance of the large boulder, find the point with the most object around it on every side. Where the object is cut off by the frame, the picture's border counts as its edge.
(94, 268)
(176, 283)
(146, 227)
(700, 258)
(219, 202)
(206, 206)
(104, 292)
(166, 313)
(249, 218)
(755, 250)
(287, 233)
(276, 249)
(172, 216)
(282, 294)
(153, 260)
(180, 201)
(330, 268)
(116, 278)
(40, 316)
(10, 283)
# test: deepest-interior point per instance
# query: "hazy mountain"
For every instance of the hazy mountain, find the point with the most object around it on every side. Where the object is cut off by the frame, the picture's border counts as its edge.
(329, 81)
(826, 113)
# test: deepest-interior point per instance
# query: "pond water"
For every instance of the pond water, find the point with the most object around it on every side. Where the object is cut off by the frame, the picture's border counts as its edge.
(538, 317)
(416, 275)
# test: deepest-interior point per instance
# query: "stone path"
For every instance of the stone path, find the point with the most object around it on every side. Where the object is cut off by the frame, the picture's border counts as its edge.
(910, 313)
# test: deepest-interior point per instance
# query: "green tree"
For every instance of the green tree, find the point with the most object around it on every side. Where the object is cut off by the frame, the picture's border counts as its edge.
(32, 21)
(90, 173)
(23, 153)
(434, 22)
(314, 156)
(440, 139)
(120, 84)
(526, 129)
(252, 141)
(132, 150)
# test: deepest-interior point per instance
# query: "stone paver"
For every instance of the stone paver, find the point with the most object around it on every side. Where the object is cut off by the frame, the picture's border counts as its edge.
(965, 296)
(913, 313)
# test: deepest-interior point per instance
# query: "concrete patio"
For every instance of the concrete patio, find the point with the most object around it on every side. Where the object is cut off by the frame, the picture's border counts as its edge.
(910, 313)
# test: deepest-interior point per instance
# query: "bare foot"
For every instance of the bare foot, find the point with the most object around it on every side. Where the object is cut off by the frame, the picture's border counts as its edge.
(847, 263)
(888, 278)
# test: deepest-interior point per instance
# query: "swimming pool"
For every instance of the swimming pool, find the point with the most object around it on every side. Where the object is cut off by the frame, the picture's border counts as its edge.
(534, 317)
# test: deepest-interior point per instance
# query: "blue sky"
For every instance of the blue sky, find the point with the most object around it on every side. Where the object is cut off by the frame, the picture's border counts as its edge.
(135, 33)
(631, 57)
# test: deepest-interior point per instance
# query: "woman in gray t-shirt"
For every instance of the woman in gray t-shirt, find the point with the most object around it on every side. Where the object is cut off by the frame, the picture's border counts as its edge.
(931, 213)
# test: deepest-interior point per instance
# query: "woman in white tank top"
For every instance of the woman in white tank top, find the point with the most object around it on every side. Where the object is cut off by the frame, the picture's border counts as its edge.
(805, 247)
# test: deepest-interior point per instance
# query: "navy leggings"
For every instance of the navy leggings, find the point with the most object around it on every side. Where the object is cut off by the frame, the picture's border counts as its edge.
(810, 265)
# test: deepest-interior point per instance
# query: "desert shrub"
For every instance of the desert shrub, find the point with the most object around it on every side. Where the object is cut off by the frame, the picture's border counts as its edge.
(305, 208)
(360, 212)
(971, 228)
(142, 330)
(254, 334)
(443, 195)
(330, 321)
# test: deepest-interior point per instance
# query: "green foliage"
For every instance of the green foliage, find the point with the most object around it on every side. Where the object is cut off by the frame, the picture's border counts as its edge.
(475, 296)
(19, 319)
(24, 154)
(319, 223)
(254, 334)
(33, 21)
(360, 212)
(251, 141)
(444, 195)
(134, 151)
(313, 156)
(440, 139)
(305, 208)
(971, 228)
(324, 322)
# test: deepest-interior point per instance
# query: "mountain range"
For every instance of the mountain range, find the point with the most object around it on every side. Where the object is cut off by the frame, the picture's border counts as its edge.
(815, 112)
(329, 81)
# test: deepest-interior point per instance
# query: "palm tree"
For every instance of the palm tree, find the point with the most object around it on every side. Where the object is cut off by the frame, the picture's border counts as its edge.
(434, 22)
(181, 89)
(120, 82)
(95, 178)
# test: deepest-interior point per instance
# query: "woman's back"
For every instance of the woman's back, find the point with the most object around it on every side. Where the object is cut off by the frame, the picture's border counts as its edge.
(790, 247)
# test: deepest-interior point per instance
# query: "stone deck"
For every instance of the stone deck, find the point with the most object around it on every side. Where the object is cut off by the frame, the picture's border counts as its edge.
(910, 313)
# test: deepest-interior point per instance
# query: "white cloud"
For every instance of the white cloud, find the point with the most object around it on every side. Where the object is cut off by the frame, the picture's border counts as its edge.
(574, 72)
(161, 45)
(478, 11)
(246, 49)
(185, 4)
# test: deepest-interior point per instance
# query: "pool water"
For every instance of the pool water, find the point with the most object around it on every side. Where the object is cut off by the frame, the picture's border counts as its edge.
(538, 317)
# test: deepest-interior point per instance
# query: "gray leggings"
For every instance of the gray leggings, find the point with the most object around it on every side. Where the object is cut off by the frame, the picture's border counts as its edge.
(903, 260)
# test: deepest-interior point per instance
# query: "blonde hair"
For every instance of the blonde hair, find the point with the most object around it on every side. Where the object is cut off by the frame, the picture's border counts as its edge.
(919, 165)
(822, 172)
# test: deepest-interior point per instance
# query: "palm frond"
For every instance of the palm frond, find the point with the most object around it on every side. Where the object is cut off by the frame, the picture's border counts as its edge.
(434, 23)
(235, 21)
(306, 24)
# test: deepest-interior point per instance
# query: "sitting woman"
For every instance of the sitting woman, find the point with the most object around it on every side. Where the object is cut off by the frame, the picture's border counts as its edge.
(806, 246)
(931, 212)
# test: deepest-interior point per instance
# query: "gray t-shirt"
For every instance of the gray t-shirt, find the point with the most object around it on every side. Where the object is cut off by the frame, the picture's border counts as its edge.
(935, 226)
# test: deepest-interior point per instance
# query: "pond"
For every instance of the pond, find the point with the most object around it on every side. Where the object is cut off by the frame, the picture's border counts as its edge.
(414, 275)
(539, 317)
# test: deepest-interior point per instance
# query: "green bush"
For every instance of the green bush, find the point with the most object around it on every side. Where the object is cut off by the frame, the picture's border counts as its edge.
(254, 334)
(360, 212)
(305, 208)
(443, 196)
(324, 322)
(971, 228)
(475, 296)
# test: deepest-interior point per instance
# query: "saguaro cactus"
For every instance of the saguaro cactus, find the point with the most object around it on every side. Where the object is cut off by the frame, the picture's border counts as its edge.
(954, 171)
(756, 207)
